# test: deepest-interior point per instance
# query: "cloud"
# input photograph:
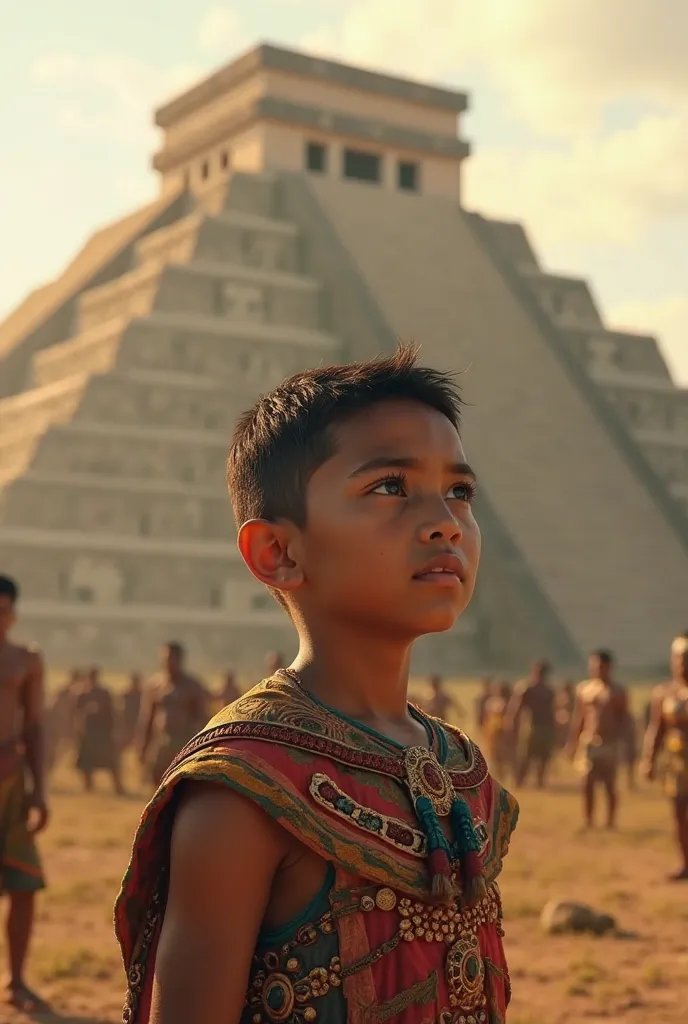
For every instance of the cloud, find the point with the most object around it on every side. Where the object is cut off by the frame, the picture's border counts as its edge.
(110, 96)
(559, 65)
(667, 318)
(595, 190)
(220, 31)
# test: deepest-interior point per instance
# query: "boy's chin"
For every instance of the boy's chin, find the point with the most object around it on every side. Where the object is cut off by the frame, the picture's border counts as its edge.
(438, 621)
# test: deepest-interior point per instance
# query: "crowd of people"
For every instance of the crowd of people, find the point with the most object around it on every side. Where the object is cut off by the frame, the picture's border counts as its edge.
(523, 726)
(89, 724)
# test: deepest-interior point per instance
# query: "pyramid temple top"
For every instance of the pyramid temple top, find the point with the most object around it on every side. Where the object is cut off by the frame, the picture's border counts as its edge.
(277, 109)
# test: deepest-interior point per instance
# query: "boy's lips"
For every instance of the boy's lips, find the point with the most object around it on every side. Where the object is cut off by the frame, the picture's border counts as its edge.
(445, 569)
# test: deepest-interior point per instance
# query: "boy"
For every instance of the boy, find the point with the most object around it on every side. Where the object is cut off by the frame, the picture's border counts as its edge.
(323, 850)
(23, 811)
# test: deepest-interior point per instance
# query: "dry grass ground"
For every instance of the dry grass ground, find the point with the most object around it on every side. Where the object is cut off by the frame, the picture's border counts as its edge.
(75, 961)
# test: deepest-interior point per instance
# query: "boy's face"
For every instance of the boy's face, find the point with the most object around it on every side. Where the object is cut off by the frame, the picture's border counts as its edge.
(393, 499)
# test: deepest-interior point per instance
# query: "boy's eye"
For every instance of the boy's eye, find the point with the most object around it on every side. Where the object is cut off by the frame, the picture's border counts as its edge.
(392, 487)
(462, 492)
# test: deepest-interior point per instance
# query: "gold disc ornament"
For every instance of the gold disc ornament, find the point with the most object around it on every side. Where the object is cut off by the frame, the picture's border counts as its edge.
(425, 777)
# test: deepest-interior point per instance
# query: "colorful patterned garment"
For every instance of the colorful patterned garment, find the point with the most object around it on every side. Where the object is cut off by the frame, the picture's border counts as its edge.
(386, 940)
(20, 866)
(675, 714)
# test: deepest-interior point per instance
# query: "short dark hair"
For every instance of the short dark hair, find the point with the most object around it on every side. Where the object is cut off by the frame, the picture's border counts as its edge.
(9, 588)
(175, 647)
(605, 655)
(280, 442)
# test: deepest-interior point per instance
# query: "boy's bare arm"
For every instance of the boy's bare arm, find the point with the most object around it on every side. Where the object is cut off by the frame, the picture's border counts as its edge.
(224, 855)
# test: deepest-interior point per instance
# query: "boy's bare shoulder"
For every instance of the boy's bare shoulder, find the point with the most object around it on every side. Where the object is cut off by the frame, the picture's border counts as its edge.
(213, 815)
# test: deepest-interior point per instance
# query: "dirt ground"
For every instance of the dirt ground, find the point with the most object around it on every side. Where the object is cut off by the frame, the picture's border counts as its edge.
(75, 961)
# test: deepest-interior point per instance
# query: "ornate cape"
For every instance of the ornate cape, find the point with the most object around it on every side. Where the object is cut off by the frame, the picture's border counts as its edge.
(385, 948)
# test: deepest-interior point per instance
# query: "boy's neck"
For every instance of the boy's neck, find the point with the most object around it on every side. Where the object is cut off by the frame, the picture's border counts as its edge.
(360, 676)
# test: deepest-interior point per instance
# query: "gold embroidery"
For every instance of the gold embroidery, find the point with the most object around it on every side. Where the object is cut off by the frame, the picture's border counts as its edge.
(390, 830)
(426, 777)
(275, 997)
(417, 995)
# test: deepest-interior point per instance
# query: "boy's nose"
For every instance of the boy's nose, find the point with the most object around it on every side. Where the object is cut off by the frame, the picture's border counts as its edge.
(443, 526)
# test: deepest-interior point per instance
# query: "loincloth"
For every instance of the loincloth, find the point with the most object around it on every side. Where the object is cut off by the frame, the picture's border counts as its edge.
(541, 743)
(20, 865)
(595, 759)
(676, 771)
(96, 750)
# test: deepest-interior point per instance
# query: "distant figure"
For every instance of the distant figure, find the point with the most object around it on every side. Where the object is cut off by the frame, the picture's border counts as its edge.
(629, 748)
(532, 724)
(668, 730)
(498, 733)
(23, 807)
(175, 706)
(96, 732)
(274, 661)
(440, 704)
(230, 690)
(131, 709)
(60, 719)
(564, 703)
(597, 732)
(486, 691)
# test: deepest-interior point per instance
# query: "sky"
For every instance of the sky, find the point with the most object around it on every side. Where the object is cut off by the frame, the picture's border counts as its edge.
(578, 122)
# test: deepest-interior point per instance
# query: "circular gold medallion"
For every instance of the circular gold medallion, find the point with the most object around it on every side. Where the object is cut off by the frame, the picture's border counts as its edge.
(278, 997)
(386, 899)
(426, 777)
(465, 972)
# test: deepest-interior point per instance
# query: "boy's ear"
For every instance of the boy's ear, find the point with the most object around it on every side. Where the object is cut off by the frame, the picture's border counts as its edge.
(267, 548)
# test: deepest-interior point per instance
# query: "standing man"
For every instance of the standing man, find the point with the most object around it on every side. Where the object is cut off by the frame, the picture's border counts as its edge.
(174, 707)
(440, 704)
(131, 709)
(487, 690)
(533, 705)
(59, 720)
(97, 746)
(598, 729)
(23, 809)
(668, 729)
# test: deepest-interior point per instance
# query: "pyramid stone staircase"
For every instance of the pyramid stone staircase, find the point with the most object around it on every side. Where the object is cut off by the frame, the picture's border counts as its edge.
(113, 512)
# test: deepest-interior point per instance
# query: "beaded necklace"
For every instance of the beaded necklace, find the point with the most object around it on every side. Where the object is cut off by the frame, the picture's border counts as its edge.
(433, 797)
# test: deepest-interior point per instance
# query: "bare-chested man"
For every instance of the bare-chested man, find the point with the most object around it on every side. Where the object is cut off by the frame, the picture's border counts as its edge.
(668, 730)
(131, 709)
(96, 730)
(230, 690)
(598, 727)
(274, 661)
(174, 707)
(487, 690)
(531, 722)
(23, 810)
(59, 720)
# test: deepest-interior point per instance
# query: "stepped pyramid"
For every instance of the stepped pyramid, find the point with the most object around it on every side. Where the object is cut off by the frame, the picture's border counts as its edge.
(311, 212)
